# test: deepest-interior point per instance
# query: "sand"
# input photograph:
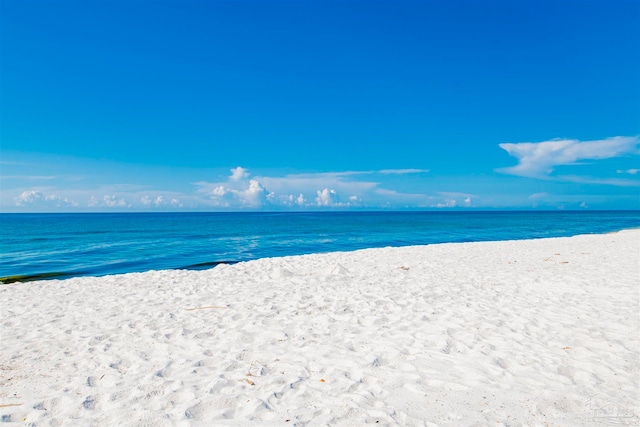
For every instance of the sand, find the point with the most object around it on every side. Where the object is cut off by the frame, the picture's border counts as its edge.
(537, 332)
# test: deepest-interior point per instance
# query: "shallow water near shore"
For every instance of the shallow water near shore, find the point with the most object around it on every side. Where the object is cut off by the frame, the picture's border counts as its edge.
(38, 246)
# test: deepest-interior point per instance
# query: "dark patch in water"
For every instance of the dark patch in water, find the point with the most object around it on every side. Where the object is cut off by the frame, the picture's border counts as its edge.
(32, 277)
(206, 265)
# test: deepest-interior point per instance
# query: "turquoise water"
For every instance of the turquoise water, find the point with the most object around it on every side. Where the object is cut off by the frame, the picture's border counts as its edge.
(66, 245)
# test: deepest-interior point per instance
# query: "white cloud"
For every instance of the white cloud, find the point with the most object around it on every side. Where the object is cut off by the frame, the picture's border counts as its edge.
(36, 198)
(291, 200)
(220, 191)
(237, 192)
(254, 196)
(327, 197)
(59, 201)
(537, 159)
(238, 174)
(30, 198)
(286, 191)
(114, 202)
(302, 190)
(109, 201)
(453, 200)
(160, 201)
(449, 203)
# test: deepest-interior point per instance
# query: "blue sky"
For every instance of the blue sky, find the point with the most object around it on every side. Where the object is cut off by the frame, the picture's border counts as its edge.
(304, 105)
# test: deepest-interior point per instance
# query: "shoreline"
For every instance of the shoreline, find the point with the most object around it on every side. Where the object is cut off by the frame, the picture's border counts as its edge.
(513, 332)
(65, 275)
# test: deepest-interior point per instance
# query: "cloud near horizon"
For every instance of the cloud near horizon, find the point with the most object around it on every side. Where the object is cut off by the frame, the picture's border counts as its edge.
(37, 199)
(238, 189)
(345, 189)
(538, 159)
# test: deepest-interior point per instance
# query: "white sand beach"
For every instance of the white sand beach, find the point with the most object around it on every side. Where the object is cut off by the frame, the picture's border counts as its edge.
(538, 332)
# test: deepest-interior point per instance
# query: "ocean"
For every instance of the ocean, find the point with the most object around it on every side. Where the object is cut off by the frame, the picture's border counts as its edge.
(39, 246)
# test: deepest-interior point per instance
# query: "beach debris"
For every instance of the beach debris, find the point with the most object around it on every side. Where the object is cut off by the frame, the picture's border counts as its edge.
(566, 348)
(403, 267)
(322, 380)
(248, 381)
(257, 369)
(206, 307)
(8, 405)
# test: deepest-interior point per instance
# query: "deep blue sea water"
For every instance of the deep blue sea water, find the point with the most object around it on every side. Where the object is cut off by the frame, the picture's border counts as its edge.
(66, 245)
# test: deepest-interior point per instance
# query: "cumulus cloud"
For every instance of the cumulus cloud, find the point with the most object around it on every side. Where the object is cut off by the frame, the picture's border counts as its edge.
(294, 191)
(453, 200)
(35, 198)
(113, 201)
(341, 189)
(238, 174)
(327, 197)
(220, 191)
(537, 159)
(160, 201)
(449, 203)
(290, 200)
(254, 196)
(30, 198)
(237, 191)
(109, 201)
